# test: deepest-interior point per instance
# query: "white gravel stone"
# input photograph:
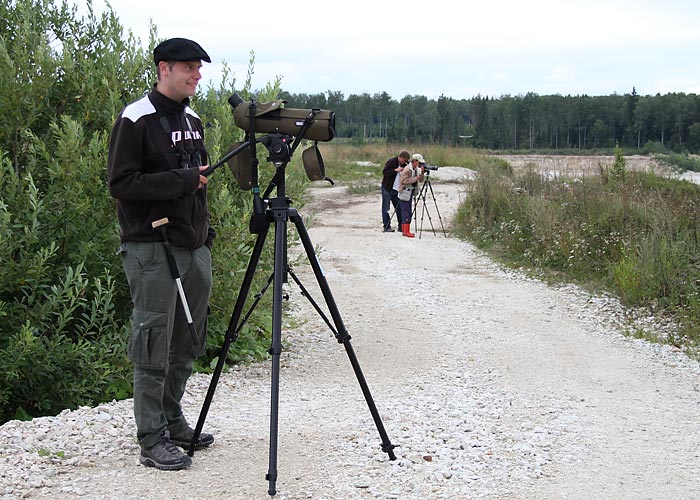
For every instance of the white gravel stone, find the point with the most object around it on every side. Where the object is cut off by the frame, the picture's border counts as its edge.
(499, 386)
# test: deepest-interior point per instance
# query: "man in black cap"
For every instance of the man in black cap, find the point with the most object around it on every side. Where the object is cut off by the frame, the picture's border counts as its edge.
(155, 164)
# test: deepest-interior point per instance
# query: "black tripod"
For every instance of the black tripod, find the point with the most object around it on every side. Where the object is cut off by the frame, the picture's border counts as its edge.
(277, 211)
(421, 197)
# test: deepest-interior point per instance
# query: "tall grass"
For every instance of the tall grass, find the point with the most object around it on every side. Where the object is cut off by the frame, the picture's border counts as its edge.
(360, 165)
(342, 154)
(682, 162)
(636, 234)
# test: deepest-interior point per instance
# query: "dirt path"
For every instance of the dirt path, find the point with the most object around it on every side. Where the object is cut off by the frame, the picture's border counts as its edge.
(492, 386)
(627, 411)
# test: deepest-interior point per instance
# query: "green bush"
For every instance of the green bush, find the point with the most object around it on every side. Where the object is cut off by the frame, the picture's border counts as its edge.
(61, 340)
(64, 300)
(633, 233)
(682, 162)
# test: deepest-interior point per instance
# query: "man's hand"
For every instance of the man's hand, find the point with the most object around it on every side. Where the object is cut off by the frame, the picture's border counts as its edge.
(202, 180)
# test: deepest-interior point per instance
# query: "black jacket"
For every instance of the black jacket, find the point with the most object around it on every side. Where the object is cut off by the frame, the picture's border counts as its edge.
(152, 172)
(389, 173)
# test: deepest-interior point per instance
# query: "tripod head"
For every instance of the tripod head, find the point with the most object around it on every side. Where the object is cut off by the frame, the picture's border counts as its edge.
(278, 147)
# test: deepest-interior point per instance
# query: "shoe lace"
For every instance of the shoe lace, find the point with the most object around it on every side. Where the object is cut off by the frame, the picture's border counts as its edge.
(169, 446)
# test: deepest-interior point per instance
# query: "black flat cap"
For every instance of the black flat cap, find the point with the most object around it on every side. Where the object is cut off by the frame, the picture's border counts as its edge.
(179, 49)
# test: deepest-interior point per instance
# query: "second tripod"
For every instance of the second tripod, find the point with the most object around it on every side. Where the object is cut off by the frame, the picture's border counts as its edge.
(421, 198)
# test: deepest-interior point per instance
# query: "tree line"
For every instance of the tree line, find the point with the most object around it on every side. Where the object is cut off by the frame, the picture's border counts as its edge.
(668, 122)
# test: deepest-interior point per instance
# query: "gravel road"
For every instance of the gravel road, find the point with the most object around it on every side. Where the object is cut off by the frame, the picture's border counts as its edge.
(492, 386)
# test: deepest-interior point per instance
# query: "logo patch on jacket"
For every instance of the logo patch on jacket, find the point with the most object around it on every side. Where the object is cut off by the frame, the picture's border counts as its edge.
(176, 136)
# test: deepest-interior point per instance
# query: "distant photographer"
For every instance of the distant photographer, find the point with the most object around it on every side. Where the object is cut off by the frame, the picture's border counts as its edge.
(392, 169)
(410, 176)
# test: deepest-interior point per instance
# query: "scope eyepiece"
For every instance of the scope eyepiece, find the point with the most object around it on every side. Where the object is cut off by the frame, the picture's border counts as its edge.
(235, 100)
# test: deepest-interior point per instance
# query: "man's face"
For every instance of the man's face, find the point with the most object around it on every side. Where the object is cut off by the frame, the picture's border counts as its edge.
(179, 79)
(403, 161)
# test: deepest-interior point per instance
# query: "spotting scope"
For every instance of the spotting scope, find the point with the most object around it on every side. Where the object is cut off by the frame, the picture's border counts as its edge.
(273, 117)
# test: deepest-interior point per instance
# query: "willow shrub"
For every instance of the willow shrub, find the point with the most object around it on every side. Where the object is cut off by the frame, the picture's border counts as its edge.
(636, 235)
(64, 301)
(61, 296)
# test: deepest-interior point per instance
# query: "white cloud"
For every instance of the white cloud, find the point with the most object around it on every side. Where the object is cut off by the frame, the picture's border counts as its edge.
(563, 73)
(500, 46)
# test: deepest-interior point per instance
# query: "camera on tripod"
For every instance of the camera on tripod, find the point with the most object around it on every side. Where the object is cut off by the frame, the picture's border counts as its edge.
(427, 168)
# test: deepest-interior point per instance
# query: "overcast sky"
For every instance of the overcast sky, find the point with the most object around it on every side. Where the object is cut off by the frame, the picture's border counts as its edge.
(438, 47)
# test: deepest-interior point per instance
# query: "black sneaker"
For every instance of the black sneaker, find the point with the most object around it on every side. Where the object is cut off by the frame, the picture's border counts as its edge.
(183, 439)
(164, 455)
(388, 229)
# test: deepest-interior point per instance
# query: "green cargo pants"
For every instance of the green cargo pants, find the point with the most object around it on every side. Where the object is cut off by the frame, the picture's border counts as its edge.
(160, 344)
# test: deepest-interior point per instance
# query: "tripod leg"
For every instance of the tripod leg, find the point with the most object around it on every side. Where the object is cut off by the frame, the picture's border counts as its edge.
(426, 210)
(231, 334)
(419, 198)
(276, 348)
(414, 209)
(341, 334)
(422, 217)
(437, 210)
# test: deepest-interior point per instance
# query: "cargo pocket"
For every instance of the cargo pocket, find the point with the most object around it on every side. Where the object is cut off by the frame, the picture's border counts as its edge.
(201, 347)
(148, 343)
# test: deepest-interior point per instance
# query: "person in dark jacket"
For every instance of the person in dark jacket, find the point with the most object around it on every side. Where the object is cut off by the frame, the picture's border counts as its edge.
(155, 164)
(391, 170)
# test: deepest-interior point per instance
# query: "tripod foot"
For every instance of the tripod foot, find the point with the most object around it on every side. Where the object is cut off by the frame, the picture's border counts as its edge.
(388, 448)
(272, 487)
